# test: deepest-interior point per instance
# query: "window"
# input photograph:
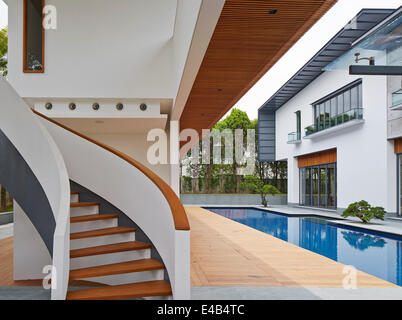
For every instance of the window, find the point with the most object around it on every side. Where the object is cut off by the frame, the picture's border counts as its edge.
(298, 125)
(33, 55)
(341, 106)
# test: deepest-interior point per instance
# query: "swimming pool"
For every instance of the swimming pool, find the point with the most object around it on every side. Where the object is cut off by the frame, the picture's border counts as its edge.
(373, 253)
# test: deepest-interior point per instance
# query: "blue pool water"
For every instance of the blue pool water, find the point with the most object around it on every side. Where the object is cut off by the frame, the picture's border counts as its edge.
(376, 254)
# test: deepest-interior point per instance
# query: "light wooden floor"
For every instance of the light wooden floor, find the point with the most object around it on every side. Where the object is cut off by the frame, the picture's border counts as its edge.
(6, 266)
(227, 253)
(6, 269)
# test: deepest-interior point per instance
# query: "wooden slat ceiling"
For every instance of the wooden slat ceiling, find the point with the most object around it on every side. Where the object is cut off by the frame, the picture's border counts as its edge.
(246, 43)
(313, 159)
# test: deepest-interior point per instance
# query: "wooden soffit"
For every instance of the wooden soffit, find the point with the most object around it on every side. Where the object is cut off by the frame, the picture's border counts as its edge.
(313, 159)
(248, 40)
(398, 145)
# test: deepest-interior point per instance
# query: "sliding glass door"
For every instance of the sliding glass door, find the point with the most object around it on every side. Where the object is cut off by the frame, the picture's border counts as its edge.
(318, 186)
(331, 185)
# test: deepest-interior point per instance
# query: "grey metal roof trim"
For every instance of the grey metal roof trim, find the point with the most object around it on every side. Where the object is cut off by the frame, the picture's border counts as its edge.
(364, 21)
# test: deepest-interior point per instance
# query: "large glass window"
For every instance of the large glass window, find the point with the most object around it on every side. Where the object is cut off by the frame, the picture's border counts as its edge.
(298, 125)
(318, 186)
(33, 36)
(331, 185)
(337, 108)
(314, 187)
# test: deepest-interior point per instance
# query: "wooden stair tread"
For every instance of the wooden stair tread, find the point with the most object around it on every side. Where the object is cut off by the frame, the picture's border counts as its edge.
(93, 217)
(124, 291)
(100, 232)
(74, 192)
(109, 248)
(83, 204)
(116, 268)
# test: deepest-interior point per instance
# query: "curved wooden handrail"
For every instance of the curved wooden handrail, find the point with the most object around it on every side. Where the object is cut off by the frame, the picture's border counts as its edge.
(179, 214)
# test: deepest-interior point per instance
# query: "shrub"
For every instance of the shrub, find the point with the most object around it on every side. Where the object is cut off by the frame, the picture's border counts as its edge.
(364, 211)
(256, 185)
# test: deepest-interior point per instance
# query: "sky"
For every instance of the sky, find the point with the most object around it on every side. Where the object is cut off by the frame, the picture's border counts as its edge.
(3, 15)
(335, 19)
(312, 41)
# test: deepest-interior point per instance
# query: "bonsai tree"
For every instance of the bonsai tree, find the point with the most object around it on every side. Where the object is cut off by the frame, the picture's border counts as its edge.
(256, 185)
(363, 241)
(364, 211)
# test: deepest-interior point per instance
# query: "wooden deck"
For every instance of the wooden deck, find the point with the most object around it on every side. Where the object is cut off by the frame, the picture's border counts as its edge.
(227, 253)
(6, 269)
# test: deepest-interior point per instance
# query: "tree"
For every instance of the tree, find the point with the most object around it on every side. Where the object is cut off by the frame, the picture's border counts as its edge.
(3, 199)
(3, 50)
(257, 185)
(236, 120)
(364, 211)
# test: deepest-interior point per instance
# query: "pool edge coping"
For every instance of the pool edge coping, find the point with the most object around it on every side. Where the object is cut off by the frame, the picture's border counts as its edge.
(335, 218)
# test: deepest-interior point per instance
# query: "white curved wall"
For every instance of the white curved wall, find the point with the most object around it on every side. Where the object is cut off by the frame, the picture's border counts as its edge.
(40, 152)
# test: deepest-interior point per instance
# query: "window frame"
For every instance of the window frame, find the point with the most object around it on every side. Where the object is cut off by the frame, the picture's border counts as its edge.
(358, 84)
(24, 53)
(298, 124)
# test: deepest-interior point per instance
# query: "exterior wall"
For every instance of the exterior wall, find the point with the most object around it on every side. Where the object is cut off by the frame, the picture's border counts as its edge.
(241, 200)
(366, 163)
(107, 49)
(266, 134)
(6, 217)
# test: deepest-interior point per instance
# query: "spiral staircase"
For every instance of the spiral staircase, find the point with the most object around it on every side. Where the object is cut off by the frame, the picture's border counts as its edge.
(84, 242)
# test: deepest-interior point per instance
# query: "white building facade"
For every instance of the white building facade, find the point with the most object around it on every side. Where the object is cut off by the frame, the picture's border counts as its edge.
(332, 128)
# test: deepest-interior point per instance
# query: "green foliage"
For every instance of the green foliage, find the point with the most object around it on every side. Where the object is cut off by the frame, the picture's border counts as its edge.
(257, 185)
(270, 172)
(229, 184)
(3, 50)
(236, 120)
(187, 184)
(364, 211)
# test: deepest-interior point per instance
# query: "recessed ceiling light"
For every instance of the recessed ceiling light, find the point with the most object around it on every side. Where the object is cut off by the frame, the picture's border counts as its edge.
(273, 11)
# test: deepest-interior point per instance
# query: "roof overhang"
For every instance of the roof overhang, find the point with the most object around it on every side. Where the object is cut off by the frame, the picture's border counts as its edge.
(249, 38)
(341, 43)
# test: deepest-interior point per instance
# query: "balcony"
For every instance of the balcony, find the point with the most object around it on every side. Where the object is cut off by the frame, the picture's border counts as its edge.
(336, 123)
(294, 137)
(397, 100)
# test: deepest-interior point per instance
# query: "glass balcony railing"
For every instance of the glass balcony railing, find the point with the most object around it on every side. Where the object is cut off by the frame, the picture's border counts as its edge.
(328, 122)
(397, 98)
(294, 136)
